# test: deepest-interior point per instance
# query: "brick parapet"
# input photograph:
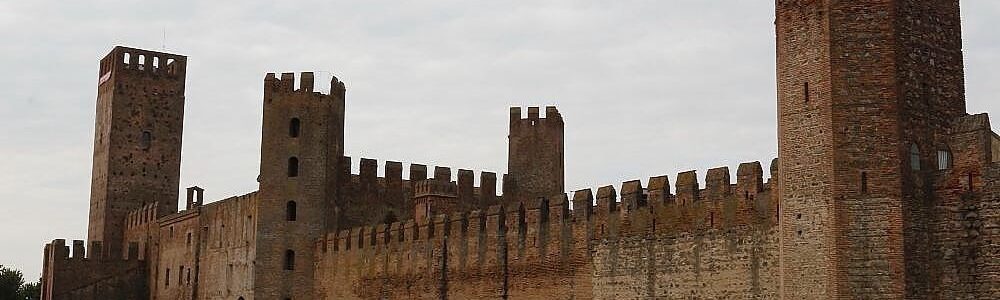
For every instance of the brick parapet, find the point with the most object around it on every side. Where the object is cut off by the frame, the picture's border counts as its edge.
(105, 271)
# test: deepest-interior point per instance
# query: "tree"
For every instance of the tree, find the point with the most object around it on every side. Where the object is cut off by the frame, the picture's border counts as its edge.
(12, 286)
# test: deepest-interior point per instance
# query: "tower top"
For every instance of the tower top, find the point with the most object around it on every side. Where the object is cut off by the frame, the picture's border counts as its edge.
(141, 61)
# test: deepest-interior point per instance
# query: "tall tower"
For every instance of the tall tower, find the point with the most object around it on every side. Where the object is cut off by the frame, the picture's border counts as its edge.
(866, 93)
(535, 155)
(301, 149)
(137, 143)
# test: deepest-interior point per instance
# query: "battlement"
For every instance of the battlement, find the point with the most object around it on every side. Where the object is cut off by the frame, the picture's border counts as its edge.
(97, 273)
(369, 198)
(140, 217)
(634, 210)
(534, 116)
(58, 250)
(463, 184)
(139, 61)
(287, 84)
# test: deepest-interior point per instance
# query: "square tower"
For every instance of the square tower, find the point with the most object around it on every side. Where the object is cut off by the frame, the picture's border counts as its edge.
(867, 91)
(535, 159)
(302, 147)
(137, 143)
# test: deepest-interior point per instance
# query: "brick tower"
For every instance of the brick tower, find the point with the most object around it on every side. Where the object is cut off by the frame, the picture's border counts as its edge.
(535, 155)
(137, 143)
(867, 91)
(301, 149)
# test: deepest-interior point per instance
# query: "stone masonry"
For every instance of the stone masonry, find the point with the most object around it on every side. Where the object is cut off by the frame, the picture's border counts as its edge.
(885, 188)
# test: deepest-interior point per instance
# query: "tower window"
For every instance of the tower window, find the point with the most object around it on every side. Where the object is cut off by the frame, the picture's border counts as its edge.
(290, 214)
(944, 159)
(864, 182)
(289, 260)
(805, 91)
(293, 167)
(126, 57)
(166, 280)
(146, 140)
(914, 157)
(294, 127)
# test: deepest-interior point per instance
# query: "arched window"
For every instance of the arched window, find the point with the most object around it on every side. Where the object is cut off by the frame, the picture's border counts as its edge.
(126, 58)
(146, 140)
(293, 127)
(289, 260)
(293, 167)
(290, 214)
(914, 157)
(944, 159)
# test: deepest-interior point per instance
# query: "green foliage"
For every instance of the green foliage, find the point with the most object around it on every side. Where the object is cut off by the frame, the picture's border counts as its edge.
(13, 287)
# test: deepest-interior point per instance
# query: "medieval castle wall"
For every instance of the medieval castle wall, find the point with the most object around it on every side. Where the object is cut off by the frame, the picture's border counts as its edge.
(716, 242)
(885, 188)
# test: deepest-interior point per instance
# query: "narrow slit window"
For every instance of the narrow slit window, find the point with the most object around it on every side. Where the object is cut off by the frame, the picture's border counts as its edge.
(971, 184)
(864, 182)
(805, 91)
(289, 260)
(293, 167)
(290, 213)
(293, 127)
(166, 280)
(914, 157)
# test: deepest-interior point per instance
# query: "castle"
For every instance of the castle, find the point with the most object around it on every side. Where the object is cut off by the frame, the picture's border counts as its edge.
(885, 189)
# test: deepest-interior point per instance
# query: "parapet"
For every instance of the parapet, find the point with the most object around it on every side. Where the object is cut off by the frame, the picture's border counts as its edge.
(142, 216)
(286, 84)
(366, 190)
(146, 62)
(552, 117)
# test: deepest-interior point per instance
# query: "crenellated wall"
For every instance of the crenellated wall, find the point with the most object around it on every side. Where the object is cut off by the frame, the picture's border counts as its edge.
(111, 273)
(720, 241)
(366, 198)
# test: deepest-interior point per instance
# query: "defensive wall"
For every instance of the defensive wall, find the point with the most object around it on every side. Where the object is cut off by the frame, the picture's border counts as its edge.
(367, 198)
(100, 273)
(719, 241)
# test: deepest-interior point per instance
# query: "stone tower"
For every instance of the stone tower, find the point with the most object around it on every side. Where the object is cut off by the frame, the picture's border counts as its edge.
(301, 149)
(535, 155)
(867, 91)
(137, 143)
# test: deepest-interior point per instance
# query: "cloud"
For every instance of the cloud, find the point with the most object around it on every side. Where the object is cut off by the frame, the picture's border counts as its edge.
(646, 87)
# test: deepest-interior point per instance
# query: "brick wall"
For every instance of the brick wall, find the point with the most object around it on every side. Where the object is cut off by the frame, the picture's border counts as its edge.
(722, 243)
(137, 144)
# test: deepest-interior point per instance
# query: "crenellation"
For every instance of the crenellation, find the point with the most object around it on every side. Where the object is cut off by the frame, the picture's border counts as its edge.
(583, 205)
(658, 192)
(886, 188)
(749, 180)
(607, 202)
(442, 174)
(633, 196)
(687, 187)
(717, 184)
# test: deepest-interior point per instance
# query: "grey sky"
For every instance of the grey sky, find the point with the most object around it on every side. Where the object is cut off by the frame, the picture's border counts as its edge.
(646, 87)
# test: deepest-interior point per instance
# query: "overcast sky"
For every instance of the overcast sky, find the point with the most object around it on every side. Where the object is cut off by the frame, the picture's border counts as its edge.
(646, 87)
